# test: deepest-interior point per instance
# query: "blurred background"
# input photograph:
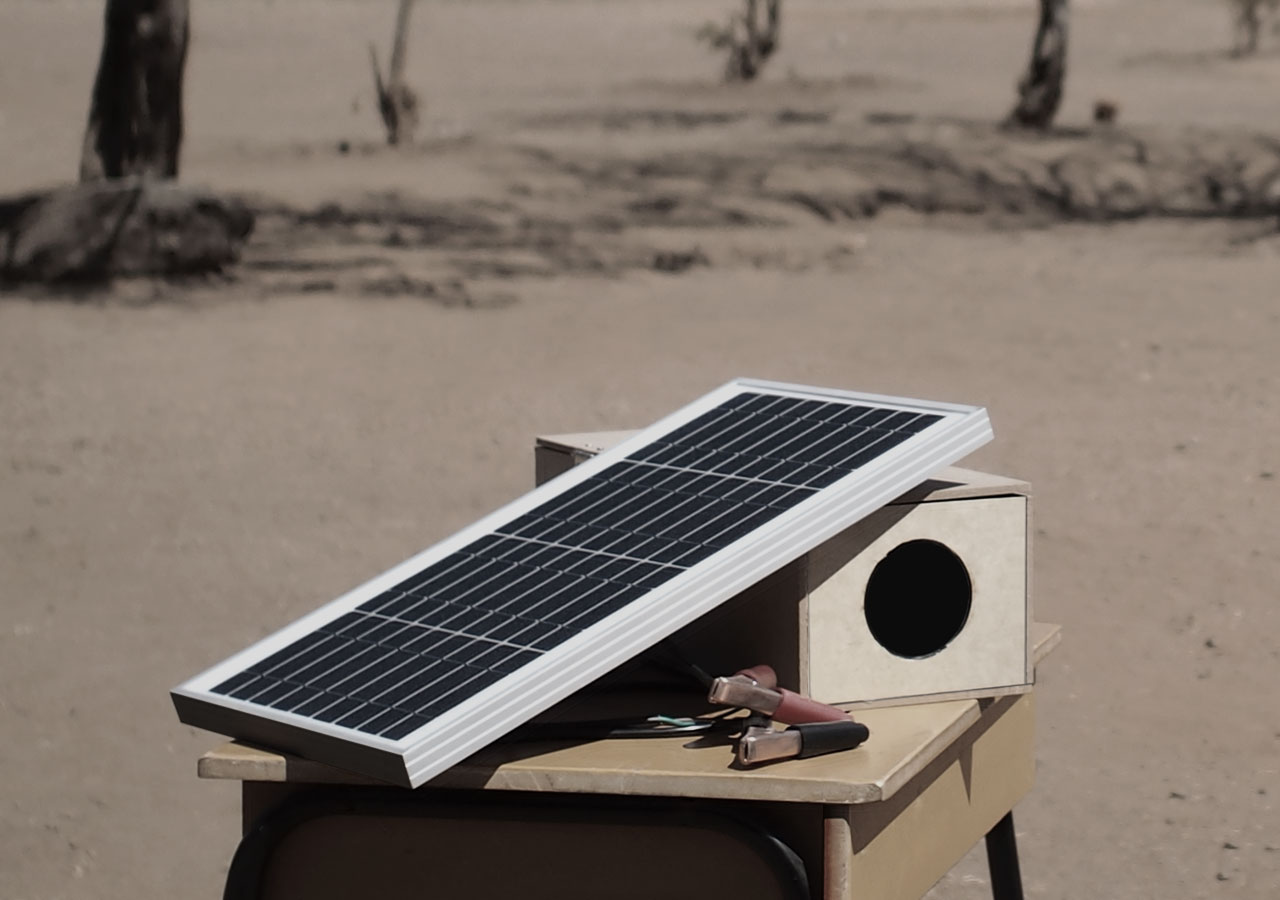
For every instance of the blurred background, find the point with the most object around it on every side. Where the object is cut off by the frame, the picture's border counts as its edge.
(590, 216)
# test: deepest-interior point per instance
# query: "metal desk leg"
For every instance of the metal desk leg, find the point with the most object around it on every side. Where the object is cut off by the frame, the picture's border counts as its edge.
(1002, 860)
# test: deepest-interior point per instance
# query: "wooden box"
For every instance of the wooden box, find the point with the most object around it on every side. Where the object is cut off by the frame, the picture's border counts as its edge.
(926, 599)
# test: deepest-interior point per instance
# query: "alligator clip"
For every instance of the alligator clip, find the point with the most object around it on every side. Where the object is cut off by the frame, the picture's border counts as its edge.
(758, 695)
(759, 744)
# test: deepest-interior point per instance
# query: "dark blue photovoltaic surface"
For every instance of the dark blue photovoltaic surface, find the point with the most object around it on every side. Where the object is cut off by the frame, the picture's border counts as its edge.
(442, 635)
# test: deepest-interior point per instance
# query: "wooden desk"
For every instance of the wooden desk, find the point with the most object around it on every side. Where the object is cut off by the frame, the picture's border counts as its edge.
(884, 821)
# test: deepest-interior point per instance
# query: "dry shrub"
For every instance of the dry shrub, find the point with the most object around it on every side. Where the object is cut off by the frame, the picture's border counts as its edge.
(750, 37)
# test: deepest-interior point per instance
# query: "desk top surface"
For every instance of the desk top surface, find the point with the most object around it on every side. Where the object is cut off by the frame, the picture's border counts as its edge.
(904, 739)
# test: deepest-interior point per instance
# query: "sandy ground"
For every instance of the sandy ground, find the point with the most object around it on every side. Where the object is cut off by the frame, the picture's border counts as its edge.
(184, 469)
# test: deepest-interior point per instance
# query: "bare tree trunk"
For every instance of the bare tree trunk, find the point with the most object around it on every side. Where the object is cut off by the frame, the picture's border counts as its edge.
(135, 115)
(1248, 22)
(768, 41)
(397, 102)
(748, 56)
(1040, 91)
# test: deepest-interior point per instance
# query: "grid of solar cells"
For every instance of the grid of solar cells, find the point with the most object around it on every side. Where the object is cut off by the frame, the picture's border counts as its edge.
(442, 635)
(787, 440)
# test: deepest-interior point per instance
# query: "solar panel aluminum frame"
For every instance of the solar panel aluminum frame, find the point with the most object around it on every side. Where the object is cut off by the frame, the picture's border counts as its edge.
(492, 712)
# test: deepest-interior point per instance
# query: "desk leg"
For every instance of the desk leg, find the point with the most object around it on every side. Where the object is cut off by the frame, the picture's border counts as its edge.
(1002, 860)
(837, 852)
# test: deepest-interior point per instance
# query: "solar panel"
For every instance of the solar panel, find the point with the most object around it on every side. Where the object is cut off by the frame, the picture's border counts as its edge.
(432, 660)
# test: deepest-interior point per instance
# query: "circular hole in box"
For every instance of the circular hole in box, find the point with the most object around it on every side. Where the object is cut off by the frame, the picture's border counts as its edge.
(918, 599)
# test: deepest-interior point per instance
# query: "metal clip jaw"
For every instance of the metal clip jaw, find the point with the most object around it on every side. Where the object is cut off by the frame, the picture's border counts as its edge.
(763, 744)
(738, 690)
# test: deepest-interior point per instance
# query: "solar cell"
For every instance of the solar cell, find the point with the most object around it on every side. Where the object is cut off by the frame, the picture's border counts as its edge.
(405, 675)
